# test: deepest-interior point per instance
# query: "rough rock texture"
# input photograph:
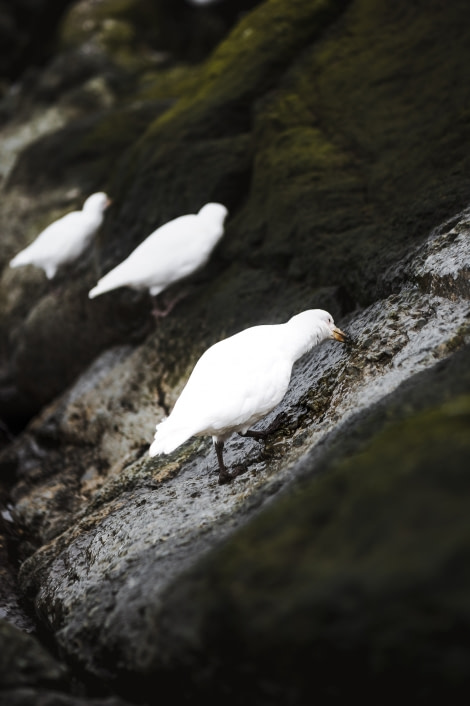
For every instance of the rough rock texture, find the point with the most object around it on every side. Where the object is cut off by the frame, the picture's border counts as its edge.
(135, 528)
(367, 588)
(30, 676)
(337, 135)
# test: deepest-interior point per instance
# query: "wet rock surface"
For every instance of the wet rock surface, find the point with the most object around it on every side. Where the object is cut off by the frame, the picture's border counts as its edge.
(339, 558)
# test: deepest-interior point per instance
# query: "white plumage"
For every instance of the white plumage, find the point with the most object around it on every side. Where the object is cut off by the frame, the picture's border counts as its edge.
(64, 240)
(239, 380)
(173, 251)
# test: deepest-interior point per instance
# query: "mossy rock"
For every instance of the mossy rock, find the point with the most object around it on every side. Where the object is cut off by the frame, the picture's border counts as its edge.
(342, 178)
(309, 126)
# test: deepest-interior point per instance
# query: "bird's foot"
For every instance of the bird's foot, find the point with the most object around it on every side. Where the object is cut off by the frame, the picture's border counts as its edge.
(226, 476)
(262, 435)
(159, 312)
(277, 423)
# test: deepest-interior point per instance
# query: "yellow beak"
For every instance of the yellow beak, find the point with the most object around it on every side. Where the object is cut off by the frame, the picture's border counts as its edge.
(339, 335)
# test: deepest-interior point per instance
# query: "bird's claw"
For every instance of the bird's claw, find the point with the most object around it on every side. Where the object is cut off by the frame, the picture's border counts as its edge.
(226, 476)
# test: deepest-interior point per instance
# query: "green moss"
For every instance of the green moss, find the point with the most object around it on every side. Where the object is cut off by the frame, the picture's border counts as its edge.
(251, 58)
(356, 178)
(116, 33)
(343, 174)
(167, 83)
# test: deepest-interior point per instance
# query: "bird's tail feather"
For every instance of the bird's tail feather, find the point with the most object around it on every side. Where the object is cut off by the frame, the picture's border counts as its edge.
(96, 291)
(168, 438)
(106, 284)
(20, 259)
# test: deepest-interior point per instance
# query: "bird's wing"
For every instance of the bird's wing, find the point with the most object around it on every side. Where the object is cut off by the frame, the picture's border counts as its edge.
(165, 256)
(169, 252)
(53, 240)
(78, 232)
(235, 383)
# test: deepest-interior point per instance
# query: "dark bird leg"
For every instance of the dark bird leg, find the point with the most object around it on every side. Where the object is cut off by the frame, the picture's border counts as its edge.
(162, 310)
(263, 434)
(224, 475)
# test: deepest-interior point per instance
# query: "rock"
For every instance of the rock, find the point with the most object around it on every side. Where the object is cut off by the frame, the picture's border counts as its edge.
(30, 312)
(11, 610)
(30, 676)
(324, 587)
(26, 32)
(24, 662)
(118, 34)
(104, 574)
(337, 563)
(42, 697)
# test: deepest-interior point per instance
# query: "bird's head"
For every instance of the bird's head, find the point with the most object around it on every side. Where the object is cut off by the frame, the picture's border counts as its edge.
(329, 329)
(214, 213)
(97, 203)
(320, 325)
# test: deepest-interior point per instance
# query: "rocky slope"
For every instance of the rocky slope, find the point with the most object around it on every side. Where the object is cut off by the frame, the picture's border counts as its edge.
(337, 135)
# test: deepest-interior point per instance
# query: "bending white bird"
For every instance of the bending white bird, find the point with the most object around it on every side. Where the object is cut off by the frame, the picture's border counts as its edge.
(239, 380)
(65, 239)
(173, 251)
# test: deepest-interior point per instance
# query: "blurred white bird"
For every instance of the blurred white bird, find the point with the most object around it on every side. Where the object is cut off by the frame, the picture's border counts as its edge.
(173, 251)
(239, 380)
(64, 240)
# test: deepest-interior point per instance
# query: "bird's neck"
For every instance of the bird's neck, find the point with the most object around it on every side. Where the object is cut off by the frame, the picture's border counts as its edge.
(301, 339)
(94, 217)
(211, 238)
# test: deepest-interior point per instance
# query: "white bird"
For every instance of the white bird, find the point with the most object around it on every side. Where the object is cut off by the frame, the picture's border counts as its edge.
(64, 240)
(173, 251)
(239, 380)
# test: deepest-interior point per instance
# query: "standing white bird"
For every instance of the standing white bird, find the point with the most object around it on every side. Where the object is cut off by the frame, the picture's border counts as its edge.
(239, 380)
(64, 240)
(173, 251)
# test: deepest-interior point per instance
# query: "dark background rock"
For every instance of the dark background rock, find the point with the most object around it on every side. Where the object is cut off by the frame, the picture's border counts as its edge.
(27, 32)
(30, 676)
(28, 28)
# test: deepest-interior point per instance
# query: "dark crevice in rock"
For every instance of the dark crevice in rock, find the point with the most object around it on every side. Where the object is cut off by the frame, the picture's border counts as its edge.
(28, 34)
